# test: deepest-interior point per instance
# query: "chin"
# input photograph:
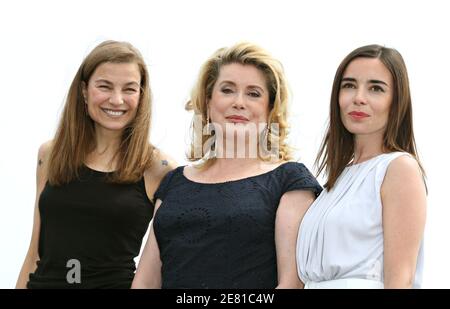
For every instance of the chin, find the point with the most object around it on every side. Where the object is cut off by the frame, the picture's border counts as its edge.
(356, 129)
(361, 132)
(113, 126)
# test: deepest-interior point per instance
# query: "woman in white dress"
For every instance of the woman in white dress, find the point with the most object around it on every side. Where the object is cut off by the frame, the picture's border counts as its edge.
(366, 229)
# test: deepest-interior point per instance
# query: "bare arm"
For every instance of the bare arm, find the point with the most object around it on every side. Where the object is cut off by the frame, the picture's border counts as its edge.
(291, 210)
(29, 265)
(404, 212)
(162, 164)
(148, 273)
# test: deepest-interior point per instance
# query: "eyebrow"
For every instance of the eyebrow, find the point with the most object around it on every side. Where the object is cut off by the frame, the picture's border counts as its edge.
(234, 84)
(371, 81)
(109, 83)
(376, 81)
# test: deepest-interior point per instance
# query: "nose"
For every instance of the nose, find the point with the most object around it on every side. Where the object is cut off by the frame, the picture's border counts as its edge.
(360, 97)
(116, 98)
(239, 101)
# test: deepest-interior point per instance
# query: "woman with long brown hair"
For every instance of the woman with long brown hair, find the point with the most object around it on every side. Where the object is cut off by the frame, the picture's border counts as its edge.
(365, 230)
(96, 178)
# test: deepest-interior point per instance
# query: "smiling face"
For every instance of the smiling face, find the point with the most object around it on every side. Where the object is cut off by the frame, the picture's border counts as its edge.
(365, 97)
(112, 95)
(240, 98)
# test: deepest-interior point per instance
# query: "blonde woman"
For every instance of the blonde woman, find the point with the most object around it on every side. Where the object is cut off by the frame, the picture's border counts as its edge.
(366, 229)
(230, 221)
(96, 178)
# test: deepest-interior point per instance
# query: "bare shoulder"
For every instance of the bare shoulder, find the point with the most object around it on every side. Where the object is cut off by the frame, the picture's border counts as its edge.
(161, 165)
(44, 149)
(402, 167)
(42, 161)
(44, 153)
(403, 175)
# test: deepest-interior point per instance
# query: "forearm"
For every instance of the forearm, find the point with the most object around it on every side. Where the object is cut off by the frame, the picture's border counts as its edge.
(290, 283)
(287, 272)
(28, 267)
(151, 282)
(399, 279)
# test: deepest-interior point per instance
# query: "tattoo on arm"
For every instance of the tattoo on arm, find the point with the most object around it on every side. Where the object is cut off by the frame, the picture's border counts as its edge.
(164, 162)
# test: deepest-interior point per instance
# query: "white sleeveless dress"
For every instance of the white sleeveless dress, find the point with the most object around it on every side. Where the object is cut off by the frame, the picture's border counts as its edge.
(340, 239)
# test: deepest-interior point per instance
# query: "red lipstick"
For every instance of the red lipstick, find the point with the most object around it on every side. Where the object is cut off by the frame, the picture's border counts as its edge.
(358, 115)
(237, 119)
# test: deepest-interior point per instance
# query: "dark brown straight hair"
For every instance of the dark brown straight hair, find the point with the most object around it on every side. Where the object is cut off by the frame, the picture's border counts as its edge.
(337, 149)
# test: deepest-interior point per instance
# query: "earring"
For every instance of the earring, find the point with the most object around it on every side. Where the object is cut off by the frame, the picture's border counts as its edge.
(207, 117)
(267, 143)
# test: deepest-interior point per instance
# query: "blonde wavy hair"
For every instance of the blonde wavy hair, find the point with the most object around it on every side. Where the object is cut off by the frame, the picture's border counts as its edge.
(246, 54)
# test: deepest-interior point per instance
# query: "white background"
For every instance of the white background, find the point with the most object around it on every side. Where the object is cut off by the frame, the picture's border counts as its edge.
(44, 42)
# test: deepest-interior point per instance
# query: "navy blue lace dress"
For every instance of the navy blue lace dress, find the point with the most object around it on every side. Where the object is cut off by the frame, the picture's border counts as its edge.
(222, 235)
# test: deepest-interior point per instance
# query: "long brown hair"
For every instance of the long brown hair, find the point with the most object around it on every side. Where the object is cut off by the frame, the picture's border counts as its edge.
(246, 54)
(337, 149)
(75, 136)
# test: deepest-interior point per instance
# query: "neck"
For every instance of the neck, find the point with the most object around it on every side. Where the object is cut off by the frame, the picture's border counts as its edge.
(107, 144)
(240, 149)
(235, 166)
(367, 147)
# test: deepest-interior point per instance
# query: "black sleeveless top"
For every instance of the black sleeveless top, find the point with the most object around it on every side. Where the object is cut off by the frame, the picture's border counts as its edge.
(99, 224)
(223, 235)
